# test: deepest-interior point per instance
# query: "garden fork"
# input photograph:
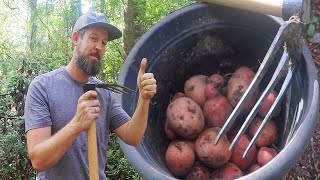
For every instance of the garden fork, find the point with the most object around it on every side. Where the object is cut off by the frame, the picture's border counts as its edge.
(91, 135)
(289, 38)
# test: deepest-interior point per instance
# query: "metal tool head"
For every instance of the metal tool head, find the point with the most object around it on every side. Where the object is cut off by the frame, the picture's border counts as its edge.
(109, 86)
(288, 39)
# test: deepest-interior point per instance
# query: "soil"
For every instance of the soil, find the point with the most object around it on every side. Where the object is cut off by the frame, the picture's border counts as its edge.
(308, 167)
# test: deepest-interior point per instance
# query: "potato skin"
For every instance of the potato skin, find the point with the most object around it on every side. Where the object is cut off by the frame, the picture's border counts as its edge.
(244, 73)
(238, 151)
(179, 157)
(268, 135)
(267, 103)
(237, 86)
(232, 133)
(185, 117)
(216, 111)
(194, 88)
(217, 80)
(169, 131)
(210, 154)
(191, 144)
(211, 91)
(229, 171)
(178, 95)
(198, 172)
(266, 154)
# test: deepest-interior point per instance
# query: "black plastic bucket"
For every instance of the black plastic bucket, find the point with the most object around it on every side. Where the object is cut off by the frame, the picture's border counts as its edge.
(172, 49)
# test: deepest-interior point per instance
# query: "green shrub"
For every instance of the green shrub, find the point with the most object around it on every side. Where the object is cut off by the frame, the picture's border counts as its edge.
(117, 165)
(13, 151)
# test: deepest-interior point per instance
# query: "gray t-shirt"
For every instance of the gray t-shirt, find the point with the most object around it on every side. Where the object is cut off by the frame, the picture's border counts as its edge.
(52, 101)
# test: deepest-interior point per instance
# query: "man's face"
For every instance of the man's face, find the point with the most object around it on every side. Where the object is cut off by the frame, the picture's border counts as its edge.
(90, 49)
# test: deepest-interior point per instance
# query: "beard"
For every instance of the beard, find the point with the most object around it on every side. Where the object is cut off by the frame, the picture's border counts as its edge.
(92, 68)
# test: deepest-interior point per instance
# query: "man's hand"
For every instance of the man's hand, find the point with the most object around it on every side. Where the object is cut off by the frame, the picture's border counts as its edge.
(132, 131)
(45, 149)
(87, 110)
(146, 83)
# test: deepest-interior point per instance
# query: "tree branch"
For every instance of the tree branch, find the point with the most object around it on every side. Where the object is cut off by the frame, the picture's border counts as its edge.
(7, 55)
(118, 49)
(8, 5)
(36, 13)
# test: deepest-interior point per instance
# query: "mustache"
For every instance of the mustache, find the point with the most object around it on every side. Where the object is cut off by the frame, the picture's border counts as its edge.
(96, 54)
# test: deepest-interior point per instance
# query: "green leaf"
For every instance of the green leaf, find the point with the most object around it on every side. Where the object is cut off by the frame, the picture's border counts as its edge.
(314, 20)
(311, 30)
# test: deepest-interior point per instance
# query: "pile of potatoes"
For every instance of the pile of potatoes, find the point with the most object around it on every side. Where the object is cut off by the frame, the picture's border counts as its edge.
(195, 117)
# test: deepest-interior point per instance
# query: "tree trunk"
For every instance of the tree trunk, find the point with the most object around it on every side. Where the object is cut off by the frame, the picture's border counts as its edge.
(79, 8)
(133, 25)
(33, 36)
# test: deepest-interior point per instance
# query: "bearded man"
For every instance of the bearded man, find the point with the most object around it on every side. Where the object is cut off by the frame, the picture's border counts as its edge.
(58, 113)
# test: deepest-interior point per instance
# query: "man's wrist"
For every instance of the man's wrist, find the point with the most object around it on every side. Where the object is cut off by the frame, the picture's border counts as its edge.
(73, 127)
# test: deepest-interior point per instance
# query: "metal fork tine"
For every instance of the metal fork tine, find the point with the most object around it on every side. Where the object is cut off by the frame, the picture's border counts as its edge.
(115, 88)
(279, 72)
(275, 46)
(123, 87)
(268, 116)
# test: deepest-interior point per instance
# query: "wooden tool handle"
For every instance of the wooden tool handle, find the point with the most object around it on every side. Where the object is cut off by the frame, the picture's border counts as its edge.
(92, 152)
(271, 7)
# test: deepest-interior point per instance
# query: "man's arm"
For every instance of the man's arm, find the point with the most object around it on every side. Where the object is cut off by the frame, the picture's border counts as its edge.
(132, 131)
(45, 149)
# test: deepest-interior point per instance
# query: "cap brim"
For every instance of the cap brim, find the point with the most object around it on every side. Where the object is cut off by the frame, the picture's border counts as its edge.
(113, 32)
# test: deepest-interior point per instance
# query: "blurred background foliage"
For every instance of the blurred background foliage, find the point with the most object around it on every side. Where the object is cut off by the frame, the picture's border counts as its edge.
(35, 38)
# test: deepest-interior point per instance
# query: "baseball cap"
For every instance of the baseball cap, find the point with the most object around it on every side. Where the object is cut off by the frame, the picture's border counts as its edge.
(97, 19)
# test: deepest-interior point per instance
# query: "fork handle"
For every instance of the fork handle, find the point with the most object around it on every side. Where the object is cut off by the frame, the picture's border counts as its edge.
(92, 152)
(92, 142)
(280, 8)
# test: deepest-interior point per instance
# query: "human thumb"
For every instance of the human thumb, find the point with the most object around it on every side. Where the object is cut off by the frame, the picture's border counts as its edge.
(142, 67)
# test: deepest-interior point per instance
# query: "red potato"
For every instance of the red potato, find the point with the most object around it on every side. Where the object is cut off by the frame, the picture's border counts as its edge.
(198, 172)
(191, 144)
(210, 154)
(217, 80)
(268, 135)
(216, 111)
(178, 95)
(179, 157)
(265, 106)
(169, 131)
(185, 117)
(232, 133)
(238, 151)
(194, 88)
(229, 171)
(211, 91)
(266, 154)
(244, 73)
(214, 87)
(253, 168)
(237, 86)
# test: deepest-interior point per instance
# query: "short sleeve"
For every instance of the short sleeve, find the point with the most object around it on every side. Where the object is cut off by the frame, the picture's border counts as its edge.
(36, 110)
(117, 115)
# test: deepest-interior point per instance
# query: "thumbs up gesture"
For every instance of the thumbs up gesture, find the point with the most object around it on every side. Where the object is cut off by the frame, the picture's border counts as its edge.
(146, 83)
